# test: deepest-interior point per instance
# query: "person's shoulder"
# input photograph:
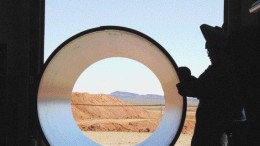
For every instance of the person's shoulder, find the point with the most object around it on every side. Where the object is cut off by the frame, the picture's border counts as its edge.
(209, 69)
(206, 71)
(215, 68)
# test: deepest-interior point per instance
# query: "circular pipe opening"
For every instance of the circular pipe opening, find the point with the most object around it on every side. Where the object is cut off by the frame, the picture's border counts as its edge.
(76, 54)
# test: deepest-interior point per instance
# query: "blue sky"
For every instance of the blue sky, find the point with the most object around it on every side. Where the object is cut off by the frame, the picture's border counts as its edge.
(173, 24)
(113, 74)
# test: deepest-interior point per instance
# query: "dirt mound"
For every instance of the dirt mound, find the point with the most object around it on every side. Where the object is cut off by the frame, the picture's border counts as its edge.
(100, 112)
(94, 99)
(92, 106)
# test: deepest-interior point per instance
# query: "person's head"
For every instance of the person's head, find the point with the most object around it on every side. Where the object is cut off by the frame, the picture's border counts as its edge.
(216, 42)
(212, 52)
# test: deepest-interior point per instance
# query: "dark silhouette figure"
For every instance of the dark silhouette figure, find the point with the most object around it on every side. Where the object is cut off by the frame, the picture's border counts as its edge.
(219, 107)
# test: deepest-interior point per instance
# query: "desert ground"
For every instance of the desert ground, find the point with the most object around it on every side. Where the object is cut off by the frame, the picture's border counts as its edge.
(188, 128)
(112, 122)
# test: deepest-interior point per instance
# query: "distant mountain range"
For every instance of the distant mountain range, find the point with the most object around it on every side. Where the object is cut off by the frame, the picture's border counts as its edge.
(133, 98)
(148, 99)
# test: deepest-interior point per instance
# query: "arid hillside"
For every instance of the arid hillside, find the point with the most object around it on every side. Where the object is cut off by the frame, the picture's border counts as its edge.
(100, 112)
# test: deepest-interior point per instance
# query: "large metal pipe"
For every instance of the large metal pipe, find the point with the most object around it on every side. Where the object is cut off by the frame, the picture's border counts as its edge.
(78, 53)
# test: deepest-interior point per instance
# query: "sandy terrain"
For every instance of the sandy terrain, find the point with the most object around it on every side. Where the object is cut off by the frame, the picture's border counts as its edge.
(188, 128)
(118, 138)
(109, 121)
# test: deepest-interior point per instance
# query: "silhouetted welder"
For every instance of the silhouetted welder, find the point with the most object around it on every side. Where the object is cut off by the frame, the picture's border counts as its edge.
(218, 107)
